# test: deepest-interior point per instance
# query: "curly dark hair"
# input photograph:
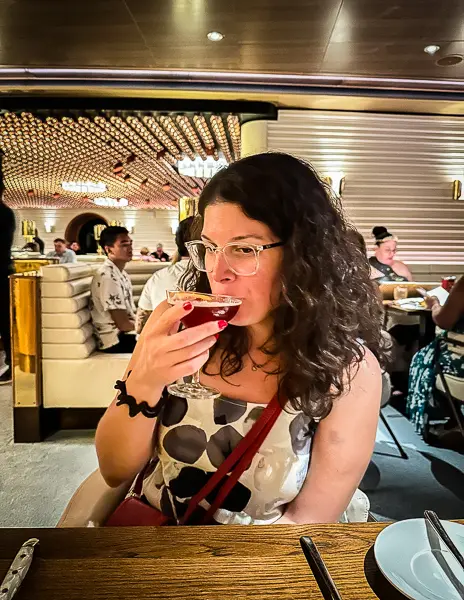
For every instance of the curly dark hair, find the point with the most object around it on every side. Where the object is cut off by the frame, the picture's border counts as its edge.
(327, 301)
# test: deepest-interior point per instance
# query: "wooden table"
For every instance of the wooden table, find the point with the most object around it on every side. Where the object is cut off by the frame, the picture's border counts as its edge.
(426, 323)
(207, 563)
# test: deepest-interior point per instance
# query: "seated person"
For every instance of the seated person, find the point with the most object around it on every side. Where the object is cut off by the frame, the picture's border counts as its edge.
(449, 317)
(271, 236)
(111, 301)
(384, 263)
(76, 248)
(62, 252)
(145, 255)
(166, 279)
(160, 254)
(32, 247)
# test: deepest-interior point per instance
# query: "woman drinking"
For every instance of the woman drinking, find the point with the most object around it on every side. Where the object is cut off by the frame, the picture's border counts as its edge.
(270, 234)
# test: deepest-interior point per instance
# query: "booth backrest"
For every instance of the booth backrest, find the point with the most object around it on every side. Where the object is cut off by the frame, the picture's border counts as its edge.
(67, 331)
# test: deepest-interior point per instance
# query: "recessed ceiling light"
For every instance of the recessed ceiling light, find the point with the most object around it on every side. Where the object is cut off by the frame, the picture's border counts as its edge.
(215, 36)
(432, 49)
(450, 60)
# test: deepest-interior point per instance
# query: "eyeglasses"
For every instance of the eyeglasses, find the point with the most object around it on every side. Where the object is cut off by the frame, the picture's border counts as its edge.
(242, 259)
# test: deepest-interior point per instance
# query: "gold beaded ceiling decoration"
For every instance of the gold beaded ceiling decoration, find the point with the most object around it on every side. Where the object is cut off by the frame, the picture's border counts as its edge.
(129, 156)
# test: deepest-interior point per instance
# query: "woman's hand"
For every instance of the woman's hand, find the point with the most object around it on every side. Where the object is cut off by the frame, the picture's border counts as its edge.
(164, 355)
(431, 301)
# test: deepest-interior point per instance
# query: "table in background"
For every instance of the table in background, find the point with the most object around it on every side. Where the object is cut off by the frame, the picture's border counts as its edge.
(426, 323)
(208, 563)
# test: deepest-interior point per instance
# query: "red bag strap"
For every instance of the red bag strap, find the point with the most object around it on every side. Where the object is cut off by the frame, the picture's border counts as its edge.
(240, 468)
(237, 461)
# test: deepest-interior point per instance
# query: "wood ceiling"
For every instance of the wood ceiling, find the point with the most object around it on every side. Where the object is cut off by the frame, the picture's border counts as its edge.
(358, 37)
(134, 154)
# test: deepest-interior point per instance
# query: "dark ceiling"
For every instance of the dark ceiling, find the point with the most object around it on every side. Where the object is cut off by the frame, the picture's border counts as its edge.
(350, 37)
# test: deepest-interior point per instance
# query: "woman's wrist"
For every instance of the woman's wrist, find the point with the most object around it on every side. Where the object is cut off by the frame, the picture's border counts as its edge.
(143, 392)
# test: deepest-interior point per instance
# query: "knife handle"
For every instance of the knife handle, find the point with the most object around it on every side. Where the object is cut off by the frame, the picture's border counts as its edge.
(317, 565)
(433, 519)
(18, 570)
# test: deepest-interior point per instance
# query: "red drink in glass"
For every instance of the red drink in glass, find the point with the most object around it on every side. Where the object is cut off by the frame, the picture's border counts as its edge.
(203, 312)
(206, 308)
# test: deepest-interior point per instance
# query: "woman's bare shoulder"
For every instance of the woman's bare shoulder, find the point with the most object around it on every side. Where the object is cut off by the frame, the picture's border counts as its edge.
(402, 269)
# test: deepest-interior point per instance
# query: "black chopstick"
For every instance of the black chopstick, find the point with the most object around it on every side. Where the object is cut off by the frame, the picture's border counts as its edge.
(317, 565)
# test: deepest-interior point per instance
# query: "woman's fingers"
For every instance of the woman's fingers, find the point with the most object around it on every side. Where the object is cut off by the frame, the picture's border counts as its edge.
(189, 367)
(168, 321)
(181, 355)
(193, 335)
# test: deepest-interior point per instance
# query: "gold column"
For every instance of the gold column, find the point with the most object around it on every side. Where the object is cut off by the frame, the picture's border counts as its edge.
(188, 207)
(254, 138)
(28, 230)
(26, 339)
(97, 231)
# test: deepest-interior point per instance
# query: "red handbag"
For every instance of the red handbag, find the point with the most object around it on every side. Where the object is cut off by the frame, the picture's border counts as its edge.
(133, 511)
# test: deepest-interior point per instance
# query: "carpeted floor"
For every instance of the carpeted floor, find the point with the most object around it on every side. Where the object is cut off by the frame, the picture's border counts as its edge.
(37, 480)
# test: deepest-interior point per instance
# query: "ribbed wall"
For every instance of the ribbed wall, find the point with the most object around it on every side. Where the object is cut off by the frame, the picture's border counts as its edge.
(399, 171)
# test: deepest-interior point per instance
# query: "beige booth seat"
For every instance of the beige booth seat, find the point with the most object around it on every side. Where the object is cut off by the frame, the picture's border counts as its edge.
(75, 374)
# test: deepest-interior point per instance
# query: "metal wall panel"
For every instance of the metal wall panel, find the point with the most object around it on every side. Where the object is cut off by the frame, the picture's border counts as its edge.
(399, 171)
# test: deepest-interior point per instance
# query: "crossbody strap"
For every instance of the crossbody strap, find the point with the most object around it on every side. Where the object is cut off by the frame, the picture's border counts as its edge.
(237, 462)
(241, 466)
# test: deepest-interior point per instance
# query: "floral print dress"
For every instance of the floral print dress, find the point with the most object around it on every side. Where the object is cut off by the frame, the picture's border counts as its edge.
(422, 374)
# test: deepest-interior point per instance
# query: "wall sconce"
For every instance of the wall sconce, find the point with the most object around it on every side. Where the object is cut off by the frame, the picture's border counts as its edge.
(174, 226)
(130, 228)
(49, 227)
(116, 224)
(336, 180)
(457, 189)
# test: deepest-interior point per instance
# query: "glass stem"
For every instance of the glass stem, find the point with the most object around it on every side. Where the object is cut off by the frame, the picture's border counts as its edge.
(196, 378)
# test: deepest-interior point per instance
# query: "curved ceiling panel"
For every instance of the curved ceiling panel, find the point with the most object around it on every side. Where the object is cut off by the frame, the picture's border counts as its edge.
(133, 156)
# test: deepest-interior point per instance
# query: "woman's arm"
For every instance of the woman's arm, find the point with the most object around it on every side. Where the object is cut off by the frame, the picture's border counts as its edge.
(341, 450)
(401, 269)
(124, 445)
(448, 315)
(162, 355)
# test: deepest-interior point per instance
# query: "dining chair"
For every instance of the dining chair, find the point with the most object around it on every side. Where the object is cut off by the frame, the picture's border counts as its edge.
(384, 400)
(93, 502)
(451, 387)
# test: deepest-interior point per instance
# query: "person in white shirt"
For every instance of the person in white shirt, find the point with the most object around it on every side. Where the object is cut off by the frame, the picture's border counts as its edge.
(111, 300)
(62, 252)
(166, 279)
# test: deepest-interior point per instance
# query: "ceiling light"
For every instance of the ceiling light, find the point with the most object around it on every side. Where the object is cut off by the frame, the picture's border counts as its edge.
(201, 168)
(432, 49)
(215, 36)
(85, 187)
(111, 202)
(450, 60)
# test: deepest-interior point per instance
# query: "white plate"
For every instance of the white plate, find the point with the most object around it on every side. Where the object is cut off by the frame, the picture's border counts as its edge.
(405, 558)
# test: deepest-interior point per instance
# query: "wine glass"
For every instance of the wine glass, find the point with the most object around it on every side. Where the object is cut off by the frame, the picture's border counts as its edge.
(206, 307)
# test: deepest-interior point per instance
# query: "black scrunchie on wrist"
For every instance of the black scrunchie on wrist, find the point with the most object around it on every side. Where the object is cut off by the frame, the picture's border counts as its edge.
(135, 407)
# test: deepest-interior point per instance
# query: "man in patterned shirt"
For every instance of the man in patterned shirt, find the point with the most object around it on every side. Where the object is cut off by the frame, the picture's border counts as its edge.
(111, 301)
